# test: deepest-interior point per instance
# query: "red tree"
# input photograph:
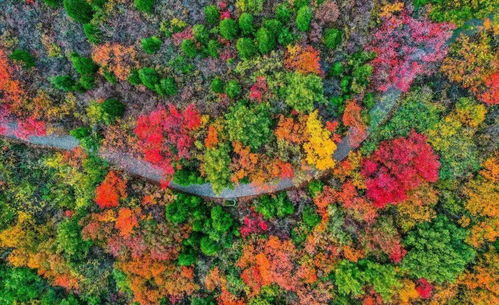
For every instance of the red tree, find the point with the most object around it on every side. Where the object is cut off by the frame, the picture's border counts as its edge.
(398, 166)
(405, 47)
(110, 191)
(163, 129)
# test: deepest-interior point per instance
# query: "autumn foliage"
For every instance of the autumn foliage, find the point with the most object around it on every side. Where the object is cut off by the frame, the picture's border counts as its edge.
(163, 129)
(11, 90)
(303, 59)
(109, 193)
(353, 119)
(398, 166)
(405, 48)
(115, 58)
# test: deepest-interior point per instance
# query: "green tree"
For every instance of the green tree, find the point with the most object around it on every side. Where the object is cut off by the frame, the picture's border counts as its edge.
(70, 242)
(93, 33)
(151, 44)
(310, 217)
(253, 6)
(216, 164)
(303, 18)
(303, 90)
(283, 13)
(79, 10)
(148, 77)
(265, 40)
(63, 82)
(228, 28)
(332, 38)
(415, 112)
(83, 65)
(211, 14)
(245, 48)
(348, 278)
(146, 6)
(167, 87)
(233, 89)
(217, 85)
(53, 3)
(110, 110)
(437, 251)
(212, 48)
(250, 125)
(271, 206)
(189, 48)
(201, 33)
(24, 57)
(178, 211)
(246, 23)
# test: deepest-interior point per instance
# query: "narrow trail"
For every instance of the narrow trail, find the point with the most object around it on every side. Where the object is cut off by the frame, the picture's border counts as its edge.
(380, 113)
(146, 170)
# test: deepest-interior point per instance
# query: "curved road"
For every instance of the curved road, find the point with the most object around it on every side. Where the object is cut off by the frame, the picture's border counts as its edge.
(379, 114)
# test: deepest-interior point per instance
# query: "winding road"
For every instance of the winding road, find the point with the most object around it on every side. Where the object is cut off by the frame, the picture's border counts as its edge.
(382, 110)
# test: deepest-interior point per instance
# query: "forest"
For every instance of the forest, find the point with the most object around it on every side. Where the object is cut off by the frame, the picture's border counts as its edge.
(249, 152)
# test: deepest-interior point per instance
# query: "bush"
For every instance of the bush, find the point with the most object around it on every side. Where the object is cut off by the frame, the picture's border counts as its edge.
(303, 18)
(200, 33)
(245, 48)
(217, 85)
(189, 48)
(63, 82)
(271, 206)
(246, 23)
(151, 44)
(146, 6)
(24, 57)
(228, 29)
(92, 32)
(332, 38)
(250, 125)
(79, 10)
(265, 40)
(211, 14)
(233, 89)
